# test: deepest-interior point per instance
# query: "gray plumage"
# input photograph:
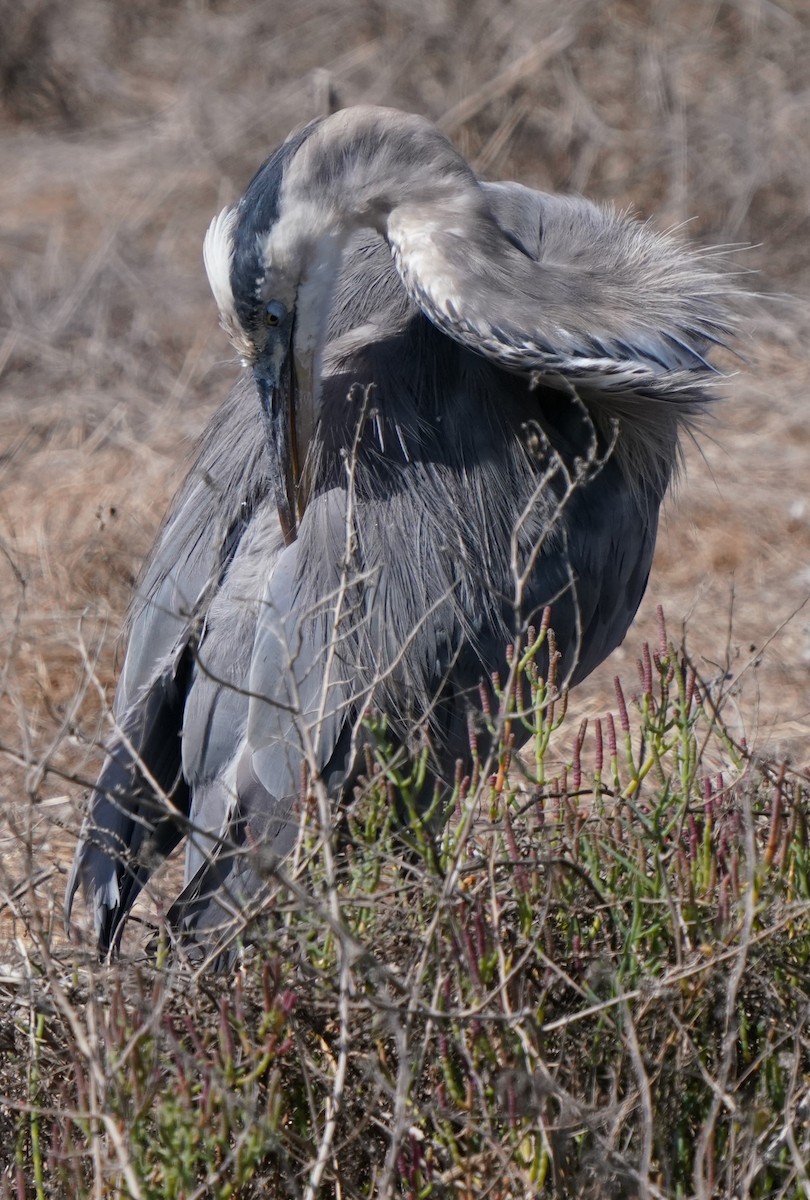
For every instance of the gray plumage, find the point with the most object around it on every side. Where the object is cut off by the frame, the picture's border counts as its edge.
(430, 358)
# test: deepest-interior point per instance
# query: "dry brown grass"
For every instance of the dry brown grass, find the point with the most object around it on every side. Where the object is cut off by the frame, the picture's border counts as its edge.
(123, 128)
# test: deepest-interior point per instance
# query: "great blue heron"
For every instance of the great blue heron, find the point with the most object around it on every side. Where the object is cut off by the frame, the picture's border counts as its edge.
(385, 501)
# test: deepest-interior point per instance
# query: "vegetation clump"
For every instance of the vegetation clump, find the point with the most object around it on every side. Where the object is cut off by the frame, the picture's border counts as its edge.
(590, 978)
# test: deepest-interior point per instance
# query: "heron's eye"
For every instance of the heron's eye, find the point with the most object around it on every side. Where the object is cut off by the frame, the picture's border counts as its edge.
(274, 313)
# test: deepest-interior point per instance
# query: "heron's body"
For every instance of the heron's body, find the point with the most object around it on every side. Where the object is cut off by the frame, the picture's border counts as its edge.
(438, 339)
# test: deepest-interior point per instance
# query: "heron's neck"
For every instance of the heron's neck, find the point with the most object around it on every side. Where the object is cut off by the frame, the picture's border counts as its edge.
(360, 164)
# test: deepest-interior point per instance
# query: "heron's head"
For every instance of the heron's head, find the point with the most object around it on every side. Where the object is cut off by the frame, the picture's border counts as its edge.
(271, 277)
(274, 258)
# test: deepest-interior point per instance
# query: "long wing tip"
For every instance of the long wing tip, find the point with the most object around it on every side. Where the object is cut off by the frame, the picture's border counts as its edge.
(95, 873)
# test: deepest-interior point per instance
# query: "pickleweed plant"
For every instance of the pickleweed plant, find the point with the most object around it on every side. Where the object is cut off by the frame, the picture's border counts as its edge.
(576, 968)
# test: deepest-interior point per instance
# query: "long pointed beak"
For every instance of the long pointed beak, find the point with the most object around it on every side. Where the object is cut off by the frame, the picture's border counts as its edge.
(275, 383)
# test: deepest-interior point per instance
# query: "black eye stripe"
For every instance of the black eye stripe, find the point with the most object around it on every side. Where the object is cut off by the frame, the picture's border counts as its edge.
(257, 213)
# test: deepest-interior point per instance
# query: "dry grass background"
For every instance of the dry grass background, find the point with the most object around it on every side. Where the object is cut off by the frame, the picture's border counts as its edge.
(124, 128)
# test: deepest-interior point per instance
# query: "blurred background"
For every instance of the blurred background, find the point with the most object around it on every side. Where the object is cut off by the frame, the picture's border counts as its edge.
(124, 128)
